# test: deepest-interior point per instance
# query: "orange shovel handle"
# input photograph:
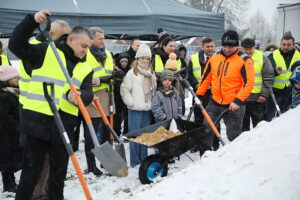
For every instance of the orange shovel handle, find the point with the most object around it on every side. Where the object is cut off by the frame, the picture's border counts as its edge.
(103, 115)
(81, 177)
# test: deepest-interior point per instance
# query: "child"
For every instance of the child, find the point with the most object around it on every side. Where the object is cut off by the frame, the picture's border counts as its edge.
(9, 137)
(295, 81)
(137, 90)
(172, 65)
(166, 103)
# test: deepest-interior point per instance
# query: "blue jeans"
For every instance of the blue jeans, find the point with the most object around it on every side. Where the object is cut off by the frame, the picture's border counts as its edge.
(137, 120)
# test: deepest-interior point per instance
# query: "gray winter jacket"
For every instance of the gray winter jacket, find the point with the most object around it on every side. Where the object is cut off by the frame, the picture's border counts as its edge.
(166, 107)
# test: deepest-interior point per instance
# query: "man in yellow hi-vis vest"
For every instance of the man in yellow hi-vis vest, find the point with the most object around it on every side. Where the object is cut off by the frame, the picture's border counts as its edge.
(103, 66)
(255, 103)
(37, 120)
(282, 59)
(57, 29)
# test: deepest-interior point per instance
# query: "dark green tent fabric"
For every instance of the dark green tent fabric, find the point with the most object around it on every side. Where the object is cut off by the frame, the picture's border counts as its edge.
(122, 19)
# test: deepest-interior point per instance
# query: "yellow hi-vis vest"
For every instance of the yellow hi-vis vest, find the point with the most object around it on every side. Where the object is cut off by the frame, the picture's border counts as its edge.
(282, 80)
(80, 72)
(99, 70)
(4, 59)
(24, 77)
(258, 60)
(159, 65)
(196, 66)
(50, 71)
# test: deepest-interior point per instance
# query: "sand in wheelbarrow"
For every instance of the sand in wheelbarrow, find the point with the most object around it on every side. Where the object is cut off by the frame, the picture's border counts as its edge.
(155, 137)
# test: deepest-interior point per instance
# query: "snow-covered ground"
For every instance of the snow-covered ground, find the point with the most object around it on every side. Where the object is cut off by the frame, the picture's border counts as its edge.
(262, 164)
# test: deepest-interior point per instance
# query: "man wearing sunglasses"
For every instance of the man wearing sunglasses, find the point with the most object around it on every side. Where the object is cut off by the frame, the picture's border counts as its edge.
(230, 73)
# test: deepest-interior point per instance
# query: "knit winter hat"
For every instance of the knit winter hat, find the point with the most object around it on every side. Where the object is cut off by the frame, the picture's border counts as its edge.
(295, 77)
(166, 74)
(123, 59)
(248, 42)
(8, 72)
(143, 50)
(171, 63)
(230, 38)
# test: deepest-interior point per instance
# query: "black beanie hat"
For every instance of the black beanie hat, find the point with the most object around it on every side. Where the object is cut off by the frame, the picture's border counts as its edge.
(230, 38)
(248, 42)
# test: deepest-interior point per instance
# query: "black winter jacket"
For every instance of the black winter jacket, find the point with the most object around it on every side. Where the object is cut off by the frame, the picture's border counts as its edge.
(33, 56)
(10, 151)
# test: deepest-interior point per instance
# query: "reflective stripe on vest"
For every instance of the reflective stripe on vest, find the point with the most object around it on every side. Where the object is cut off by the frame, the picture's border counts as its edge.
(24, 77)
(49, 71)
(4, 60)
(196, 66)
(258, 60)
(80, 71)
(99, 70)
(282, 80)
(159, 66)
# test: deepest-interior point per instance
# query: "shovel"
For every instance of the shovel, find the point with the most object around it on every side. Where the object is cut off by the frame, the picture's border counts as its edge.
(270, 88)
(65, 138)
(198, 102)
(120, 146)
(108, 157)
(111, 110)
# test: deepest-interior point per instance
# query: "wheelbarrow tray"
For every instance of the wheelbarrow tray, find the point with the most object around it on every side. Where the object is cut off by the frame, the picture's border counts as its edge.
(191, 136)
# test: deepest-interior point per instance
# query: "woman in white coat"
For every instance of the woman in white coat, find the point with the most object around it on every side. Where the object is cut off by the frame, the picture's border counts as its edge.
(137, 90)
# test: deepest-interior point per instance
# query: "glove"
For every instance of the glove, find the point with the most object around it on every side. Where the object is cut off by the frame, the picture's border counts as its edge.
(105, 79)
(118, 74)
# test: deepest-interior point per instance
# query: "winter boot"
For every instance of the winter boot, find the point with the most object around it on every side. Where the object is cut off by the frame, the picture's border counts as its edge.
(95, 171)
(203, 148)
(9, 183)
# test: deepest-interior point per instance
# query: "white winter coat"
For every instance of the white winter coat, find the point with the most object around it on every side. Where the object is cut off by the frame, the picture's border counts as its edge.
(133, 94)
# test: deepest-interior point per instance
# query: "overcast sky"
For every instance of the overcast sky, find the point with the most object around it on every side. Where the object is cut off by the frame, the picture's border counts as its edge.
(268, 7)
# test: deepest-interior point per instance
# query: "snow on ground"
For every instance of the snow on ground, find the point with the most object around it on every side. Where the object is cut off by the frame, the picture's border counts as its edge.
(260, 164)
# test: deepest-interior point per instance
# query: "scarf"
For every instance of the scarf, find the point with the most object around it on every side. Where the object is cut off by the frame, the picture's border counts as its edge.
(13, 90)
(148, 81)
(99, 54)
(168, 93)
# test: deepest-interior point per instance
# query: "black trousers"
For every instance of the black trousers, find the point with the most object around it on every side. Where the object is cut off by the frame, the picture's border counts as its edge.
(42, 138)
(255, 112)
(35, 151)
(233, 122)
(120, 116)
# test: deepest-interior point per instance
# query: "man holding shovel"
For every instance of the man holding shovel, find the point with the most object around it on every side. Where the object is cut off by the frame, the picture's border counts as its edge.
(37, 121)
(231, 75)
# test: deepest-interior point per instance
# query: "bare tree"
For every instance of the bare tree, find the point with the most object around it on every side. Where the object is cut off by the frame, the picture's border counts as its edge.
(234, 10)
(260, 28)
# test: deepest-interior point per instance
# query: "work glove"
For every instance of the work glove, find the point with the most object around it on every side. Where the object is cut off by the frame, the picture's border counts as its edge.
(105, 79)
(118, 74)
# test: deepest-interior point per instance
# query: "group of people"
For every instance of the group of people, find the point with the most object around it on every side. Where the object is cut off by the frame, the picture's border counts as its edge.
(142, 87)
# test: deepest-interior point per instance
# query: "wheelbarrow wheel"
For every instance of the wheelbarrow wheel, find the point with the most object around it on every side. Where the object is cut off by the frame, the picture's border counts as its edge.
(147, 170)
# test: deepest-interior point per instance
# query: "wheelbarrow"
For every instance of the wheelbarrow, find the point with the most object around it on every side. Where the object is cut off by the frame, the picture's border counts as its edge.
(156, 165)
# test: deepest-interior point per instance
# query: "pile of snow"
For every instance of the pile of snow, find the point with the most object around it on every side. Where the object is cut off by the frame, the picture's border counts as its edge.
(260, 164)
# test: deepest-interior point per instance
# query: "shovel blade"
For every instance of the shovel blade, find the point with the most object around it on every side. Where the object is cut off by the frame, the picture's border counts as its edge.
(121, 151)
(111, 160)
